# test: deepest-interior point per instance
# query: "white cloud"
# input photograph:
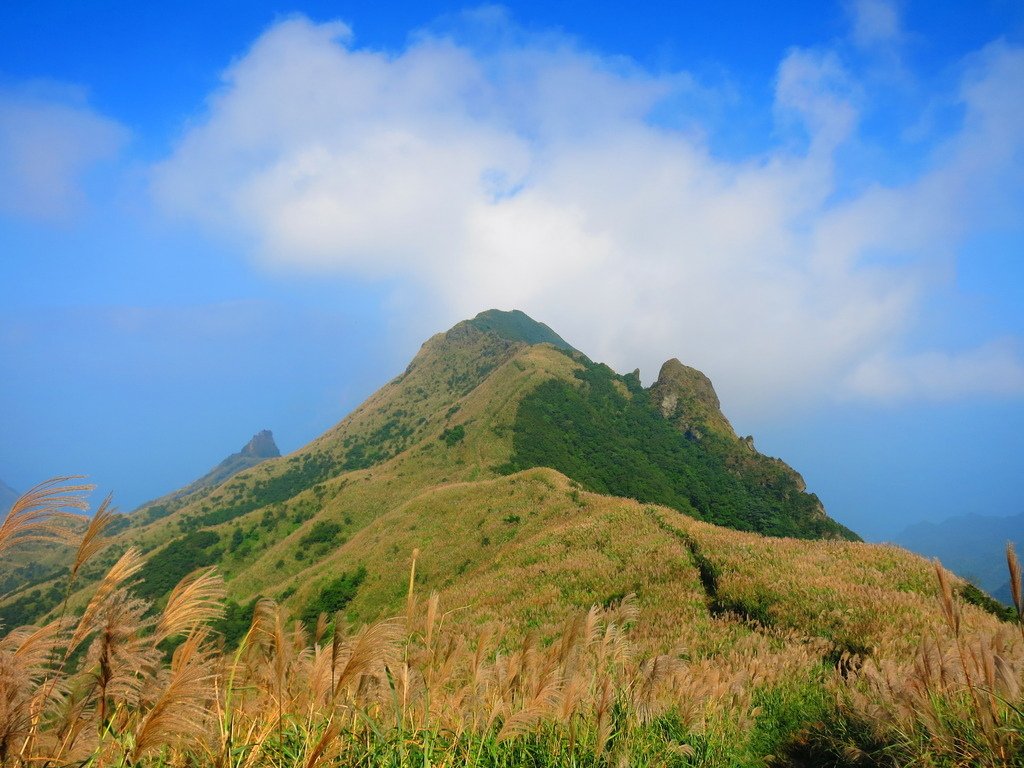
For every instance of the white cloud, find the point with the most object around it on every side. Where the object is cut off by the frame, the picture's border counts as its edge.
(874, 22)
(48, 142)
(530, 176)
(995, 367)
(814, 89)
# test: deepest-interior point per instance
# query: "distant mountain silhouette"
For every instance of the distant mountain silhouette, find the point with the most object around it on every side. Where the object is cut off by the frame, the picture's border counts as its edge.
(261, 447)
(7, 497)
(971, 545)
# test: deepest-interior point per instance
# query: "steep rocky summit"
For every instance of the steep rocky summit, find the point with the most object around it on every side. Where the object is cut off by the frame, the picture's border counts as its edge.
(686, 397)
(262, 446)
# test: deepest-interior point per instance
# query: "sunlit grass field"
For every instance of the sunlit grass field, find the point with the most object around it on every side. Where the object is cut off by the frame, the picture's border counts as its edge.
(733, 650)
(396, 594)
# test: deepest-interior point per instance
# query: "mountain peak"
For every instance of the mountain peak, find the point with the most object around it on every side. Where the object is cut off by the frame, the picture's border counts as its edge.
(516, 325)
(687, 397)
(674, 373)
(262, 446)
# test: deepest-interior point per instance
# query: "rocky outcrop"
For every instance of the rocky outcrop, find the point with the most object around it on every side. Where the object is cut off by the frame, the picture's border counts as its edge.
(686, 397)
(262, 446)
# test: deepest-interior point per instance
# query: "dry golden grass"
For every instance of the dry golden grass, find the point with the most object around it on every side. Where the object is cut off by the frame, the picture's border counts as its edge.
(36, 515)
(863, 597)
(584, 682)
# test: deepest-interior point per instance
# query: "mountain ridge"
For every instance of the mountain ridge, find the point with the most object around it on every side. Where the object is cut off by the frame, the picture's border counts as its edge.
(454, 419)
(425, 503)
(450, 417)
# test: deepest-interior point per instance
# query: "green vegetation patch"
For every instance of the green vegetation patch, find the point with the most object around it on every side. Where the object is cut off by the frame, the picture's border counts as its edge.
(157, 512)
(621, 445)
(335, 596)
(389, 439)
(311, 469)
(166, 568)
(236, 621)
(322, 532)
(971, 594)
(30, 607)
(517, 326)
(453, 435)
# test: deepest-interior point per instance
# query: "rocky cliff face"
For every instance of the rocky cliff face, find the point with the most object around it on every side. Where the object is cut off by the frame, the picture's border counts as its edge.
(686, 397)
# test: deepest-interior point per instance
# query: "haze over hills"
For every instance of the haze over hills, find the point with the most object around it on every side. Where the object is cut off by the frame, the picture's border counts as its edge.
(971, 545)
(33, 561)
(7, 496)
(259, 448)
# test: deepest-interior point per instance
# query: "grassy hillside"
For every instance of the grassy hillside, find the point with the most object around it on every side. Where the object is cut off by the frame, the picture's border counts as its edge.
(521, 620)
(477, 402)
(384, 453)
(534, 548)
(603, 539)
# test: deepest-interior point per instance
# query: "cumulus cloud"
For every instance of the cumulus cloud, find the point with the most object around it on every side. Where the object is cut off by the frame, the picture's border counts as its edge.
(48, 142)
(533, 176)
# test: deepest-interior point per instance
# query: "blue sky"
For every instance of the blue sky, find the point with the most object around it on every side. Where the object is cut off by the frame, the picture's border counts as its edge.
(222, 217)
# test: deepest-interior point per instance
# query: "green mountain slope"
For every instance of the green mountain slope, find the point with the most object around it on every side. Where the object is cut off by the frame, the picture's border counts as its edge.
(518, 326)
(493, 395)
(611, 435)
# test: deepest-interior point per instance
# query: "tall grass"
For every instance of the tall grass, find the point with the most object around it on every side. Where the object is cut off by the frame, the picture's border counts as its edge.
(957, 702)
(125, 684)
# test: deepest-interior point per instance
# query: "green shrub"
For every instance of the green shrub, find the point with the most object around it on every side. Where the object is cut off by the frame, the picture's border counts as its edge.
(167, 567)
(235, 622)
(453, 435)
(322, 532)
(335, 596)
(311, 469)
(971, 594)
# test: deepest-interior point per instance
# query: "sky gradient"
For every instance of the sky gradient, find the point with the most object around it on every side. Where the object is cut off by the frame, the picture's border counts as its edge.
(240, 216)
